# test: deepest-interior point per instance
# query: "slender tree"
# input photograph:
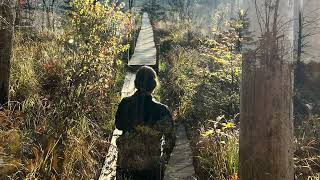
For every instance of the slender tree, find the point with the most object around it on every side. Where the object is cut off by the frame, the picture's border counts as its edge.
(131, 4)
(266, 124)
(299, 76)
(7, 18)
(307, 35)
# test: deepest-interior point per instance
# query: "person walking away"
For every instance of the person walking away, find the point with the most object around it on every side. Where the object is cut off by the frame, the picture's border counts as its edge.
(148, 131)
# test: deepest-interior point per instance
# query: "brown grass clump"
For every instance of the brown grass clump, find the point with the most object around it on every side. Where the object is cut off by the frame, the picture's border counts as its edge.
(307, 153)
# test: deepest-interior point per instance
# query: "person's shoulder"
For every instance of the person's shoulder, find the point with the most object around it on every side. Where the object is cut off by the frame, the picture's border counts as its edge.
(124, 100)
(162, 107)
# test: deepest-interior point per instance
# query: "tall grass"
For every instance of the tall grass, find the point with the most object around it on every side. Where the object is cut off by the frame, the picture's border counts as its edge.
(307, 149)
(197, 99)
(219, 153)
(201, 76)
(64, 92)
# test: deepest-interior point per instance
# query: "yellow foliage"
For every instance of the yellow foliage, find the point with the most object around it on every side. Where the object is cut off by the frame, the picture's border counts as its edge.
(227, 125)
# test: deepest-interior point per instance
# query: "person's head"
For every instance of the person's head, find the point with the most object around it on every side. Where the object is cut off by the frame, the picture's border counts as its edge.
(146, 80)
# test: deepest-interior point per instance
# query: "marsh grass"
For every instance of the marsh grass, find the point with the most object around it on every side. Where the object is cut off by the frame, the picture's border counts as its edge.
(63, 96)
(307, 149)
(219, 153)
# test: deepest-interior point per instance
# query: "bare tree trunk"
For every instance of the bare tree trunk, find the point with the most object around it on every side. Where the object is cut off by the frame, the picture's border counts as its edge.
(266, 125)
(52, 6)
(310, 31)
(299, 72)
(130, 5)
(7, 18)
(46, 9)
(18, 13)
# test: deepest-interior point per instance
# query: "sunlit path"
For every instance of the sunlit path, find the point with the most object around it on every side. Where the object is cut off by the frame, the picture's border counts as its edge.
(145, 51)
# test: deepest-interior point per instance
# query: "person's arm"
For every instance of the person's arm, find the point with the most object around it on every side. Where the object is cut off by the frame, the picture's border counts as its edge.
(122, 116)
(168, 135)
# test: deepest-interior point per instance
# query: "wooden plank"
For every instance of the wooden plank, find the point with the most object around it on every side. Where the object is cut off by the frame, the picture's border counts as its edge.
(145, 52)
(180, 165)
(108, 171)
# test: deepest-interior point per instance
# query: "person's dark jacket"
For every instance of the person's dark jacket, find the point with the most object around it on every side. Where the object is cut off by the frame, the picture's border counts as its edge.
(140, 109)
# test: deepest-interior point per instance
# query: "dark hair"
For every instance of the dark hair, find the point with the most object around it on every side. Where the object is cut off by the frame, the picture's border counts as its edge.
(145, 79)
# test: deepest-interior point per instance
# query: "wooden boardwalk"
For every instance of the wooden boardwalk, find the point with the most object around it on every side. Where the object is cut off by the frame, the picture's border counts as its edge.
(180, 164)
(145, 51)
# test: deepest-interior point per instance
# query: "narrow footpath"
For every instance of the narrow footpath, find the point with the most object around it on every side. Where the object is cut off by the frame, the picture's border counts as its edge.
(180, 165)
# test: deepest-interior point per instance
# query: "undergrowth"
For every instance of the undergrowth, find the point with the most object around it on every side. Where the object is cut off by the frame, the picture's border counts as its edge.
(200, 77)
(63, 96)
(307, 149)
